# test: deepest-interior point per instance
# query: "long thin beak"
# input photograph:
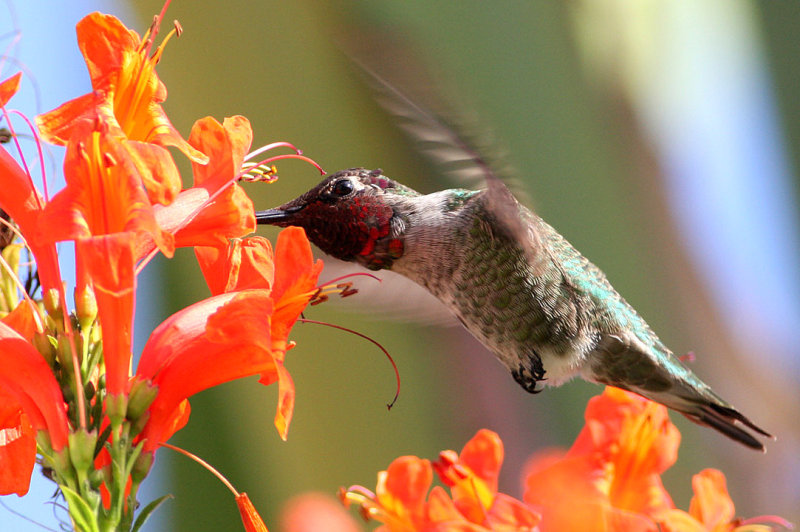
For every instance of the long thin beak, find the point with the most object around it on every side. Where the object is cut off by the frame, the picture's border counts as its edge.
(276, 216)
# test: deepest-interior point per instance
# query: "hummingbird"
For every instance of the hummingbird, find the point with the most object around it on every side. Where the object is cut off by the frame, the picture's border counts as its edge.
(545, 311)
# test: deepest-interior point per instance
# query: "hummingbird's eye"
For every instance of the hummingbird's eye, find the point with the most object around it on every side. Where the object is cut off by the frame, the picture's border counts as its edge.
(342, 188)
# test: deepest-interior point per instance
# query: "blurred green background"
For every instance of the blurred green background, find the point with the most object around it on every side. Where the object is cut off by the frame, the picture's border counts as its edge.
(560, 84)
(573, 90)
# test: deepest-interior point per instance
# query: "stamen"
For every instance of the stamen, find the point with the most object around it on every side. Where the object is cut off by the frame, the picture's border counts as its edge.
(35, 133)
(203, 463)
(763, 519)
(258, 171)
(354, 274)
(357, 489)
(347, 289)
(259, 174)
(267, 162)
(108, 160)
(272, 146)
(365, 337)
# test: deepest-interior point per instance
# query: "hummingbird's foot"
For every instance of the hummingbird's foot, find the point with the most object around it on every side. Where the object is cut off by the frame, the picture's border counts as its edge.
(530, 373)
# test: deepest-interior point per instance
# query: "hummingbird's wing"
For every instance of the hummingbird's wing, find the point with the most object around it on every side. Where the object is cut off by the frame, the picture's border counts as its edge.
(455, 141)
(389, 296)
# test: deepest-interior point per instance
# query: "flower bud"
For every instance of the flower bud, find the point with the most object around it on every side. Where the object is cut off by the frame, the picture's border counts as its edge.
(116, 407)
(46, 345)
(141, 467)
(141, 396)
(85, 306)
(52, 304)
(81, 449)
(64, 354)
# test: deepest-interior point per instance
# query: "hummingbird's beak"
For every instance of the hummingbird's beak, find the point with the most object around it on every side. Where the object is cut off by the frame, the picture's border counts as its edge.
(277, 216)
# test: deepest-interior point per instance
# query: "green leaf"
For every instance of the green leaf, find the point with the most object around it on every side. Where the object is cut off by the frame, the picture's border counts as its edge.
(82, 515)
(147, 510)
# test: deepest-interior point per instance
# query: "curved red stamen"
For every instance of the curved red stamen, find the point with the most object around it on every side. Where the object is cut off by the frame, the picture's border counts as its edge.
(272, 146)
(354, 274)
(770, 519)
(19, 148)
(155, 27)
(365, 337)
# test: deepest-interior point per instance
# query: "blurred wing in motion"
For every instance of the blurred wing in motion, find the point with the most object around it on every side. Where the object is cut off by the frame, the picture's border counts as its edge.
(452, 139)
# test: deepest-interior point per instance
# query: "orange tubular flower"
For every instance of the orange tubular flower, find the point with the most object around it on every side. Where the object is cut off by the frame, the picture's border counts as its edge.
(9, 88)
(711, 510)
(19, 198)
(236, 333)
(29, 385)
(472, 477)
(17, 446)
(105, 211)
(214, 341)
(400, 501)
(250, 519)
(215, 209)
(127, 89)
(245, 265)
(610, 478)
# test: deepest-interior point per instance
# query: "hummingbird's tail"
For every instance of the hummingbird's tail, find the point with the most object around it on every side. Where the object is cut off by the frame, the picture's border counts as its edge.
(726, 420)
(655, 373)
(695, 400)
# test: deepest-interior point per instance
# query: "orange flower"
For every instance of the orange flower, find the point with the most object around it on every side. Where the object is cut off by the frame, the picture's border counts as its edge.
(250, 519)
(128, 92)
(105, 211)
(711, 510)
(472, 477)
(231, 334)
(9, 88)
(245, 265)
(32, 401)
(19, 198)
(610, 478)
(400, 501)
(311, 512)
(198, 348)
(17, 446)
(215, 209)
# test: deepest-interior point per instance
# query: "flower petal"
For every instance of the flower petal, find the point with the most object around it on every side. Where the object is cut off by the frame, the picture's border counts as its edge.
(22, 320)
(17, 447)
(9, 88)
(104, 193)
(403, 488)
(214, 341)
(124, 77)
(295, 283)
(241, 265)
(286, 394)
(250, 518)
(711, 504)
(22, 202)
(26, 376)
(109, 263)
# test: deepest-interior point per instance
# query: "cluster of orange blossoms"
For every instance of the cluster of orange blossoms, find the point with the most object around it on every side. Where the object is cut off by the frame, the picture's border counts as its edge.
(609, 480)
(66, 383)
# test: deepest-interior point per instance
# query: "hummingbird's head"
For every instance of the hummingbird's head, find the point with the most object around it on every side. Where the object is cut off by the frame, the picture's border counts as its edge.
(353, 215)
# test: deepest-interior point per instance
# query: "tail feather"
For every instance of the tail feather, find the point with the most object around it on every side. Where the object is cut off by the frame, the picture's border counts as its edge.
(724, 419)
